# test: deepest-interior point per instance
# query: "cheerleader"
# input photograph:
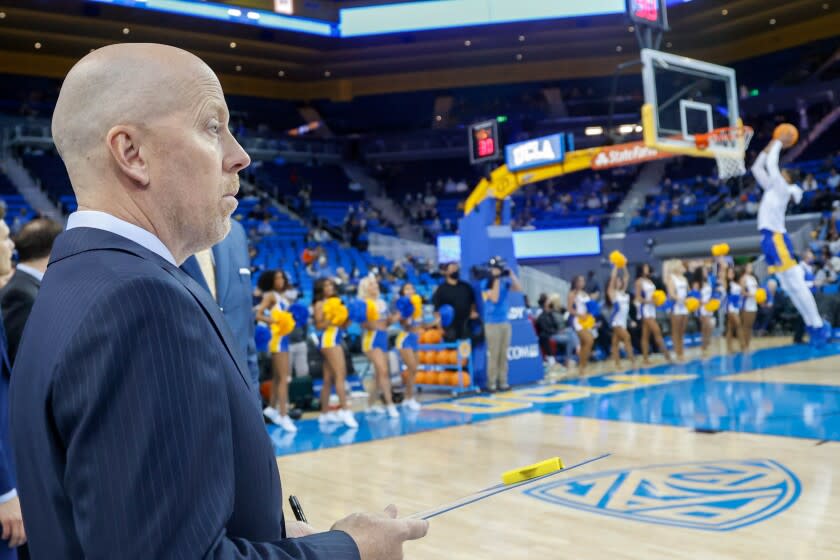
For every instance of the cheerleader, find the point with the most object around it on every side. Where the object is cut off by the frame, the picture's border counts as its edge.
(273, 284)
(408, 342)
(375, 347)
(734, 303)
(335, 368)
(749, 287)
(647, 313)
(677, 290)
(702, 284)
(620, 300)
(578, 298)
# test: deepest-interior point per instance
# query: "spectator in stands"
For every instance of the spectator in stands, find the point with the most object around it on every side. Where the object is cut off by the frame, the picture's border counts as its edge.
(18, 221)
(592, 287)
(265, 228)
(459, 294)
(827, 274)
(34, 244)
(766, 312)
(833, 180)
(810, 183)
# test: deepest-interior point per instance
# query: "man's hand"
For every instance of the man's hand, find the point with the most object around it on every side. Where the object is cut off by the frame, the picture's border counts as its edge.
(12, 522)
(297, 529)
(381, 536)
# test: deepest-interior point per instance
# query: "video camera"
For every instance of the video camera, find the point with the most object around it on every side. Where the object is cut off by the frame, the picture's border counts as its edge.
(485, 271)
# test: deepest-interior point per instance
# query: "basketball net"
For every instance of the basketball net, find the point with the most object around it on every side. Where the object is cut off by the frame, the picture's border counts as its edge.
(729, 145)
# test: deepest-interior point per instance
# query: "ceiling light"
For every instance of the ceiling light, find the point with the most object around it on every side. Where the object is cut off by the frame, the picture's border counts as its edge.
(238, 68)
(3, 14)
(724, 12)
(233, 44)
(280, 74)
(522, 38)
(593, 130)
(234, 12)
(438, 118)
(126, 30)
(253, 15)
(518, 56)
(467, 43)
(618, 48)
(626, 128)
(639, 128)
(773, 21)
(631, 29)
(327, 73)
(37, 45)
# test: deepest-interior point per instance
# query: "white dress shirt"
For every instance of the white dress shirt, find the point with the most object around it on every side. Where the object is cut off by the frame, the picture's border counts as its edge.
(33, 272)
(107, 222)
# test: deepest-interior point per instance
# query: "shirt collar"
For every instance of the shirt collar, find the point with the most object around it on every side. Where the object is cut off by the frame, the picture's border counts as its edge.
(34, 272)
(107, 222)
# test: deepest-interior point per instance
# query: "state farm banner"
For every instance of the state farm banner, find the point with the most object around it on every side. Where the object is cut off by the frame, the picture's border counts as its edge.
(631, 153)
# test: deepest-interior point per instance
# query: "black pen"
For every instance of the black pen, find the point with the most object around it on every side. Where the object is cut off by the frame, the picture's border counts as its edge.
(297, 510)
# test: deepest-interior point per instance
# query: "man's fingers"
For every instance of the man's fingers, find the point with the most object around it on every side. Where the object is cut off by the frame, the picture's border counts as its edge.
(416, 528)
(7, 529)
(391, 511)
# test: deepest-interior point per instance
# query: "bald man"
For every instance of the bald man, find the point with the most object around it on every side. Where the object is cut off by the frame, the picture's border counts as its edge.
(134, 428)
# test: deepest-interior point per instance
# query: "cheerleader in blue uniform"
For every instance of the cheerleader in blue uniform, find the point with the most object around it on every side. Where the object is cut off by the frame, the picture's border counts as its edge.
(274, 284)
(408, 341)
(375, 347)
(734, 303)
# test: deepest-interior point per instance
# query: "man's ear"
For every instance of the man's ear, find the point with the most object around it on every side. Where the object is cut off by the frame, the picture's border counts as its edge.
(124, 146)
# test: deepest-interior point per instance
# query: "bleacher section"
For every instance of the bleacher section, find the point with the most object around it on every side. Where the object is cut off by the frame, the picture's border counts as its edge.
(18, 211)
(328, 182)
(48, 169)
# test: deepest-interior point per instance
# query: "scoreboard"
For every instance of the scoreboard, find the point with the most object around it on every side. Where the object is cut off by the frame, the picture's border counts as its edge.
(652, 13)
(484, 141)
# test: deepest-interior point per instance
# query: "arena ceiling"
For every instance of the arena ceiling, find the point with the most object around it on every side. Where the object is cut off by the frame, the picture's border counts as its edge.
(44, 38)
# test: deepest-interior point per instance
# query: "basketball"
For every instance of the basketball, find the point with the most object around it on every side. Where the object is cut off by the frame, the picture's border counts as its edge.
(787, 134)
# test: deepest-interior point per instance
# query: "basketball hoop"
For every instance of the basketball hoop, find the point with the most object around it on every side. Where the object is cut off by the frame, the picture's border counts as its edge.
(728, 145)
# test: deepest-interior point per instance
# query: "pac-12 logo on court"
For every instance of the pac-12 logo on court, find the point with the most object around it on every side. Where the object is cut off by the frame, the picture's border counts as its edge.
(713, 495)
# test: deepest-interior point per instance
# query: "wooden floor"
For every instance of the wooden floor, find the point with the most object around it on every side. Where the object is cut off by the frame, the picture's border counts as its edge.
(424, 470)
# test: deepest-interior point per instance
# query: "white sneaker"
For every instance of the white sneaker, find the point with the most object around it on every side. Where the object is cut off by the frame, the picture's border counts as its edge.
(287, 424)
(272, 414)
(347, 417)
(329, 418)
(393, 412)
(375, 409)
(412, 405)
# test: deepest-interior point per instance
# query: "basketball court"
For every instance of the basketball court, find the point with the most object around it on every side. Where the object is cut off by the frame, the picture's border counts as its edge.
(719, 458)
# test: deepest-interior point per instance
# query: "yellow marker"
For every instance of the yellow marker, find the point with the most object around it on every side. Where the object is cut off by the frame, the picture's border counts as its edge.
(533, 471)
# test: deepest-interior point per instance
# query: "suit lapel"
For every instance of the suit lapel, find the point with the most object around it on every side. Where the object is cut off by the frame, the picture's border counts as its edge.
(81, 240)
(214, 313)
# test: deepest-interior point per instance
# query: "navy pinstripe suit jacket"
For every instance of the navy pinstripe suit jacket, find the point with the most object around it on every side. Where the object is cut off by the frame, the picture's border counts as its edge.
(134, 427)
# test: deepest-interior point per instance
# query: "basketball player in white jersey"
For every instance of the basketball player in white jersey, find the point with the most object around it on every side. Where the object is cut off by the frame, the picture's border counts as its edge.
(776, 244)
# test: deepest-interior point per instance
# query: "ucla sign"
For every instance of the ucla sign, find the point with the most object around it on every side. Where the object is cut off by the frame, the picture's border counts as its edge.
(710, 495)
(539, 151)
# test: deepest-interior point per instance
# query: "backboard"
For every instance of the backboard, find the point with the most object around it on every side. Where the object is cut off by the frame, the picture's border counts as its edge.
(683, 98)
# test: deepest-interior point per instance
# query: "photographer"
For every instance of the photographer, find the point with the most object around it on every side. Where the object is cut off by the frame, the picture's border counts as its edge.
(494, 292)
